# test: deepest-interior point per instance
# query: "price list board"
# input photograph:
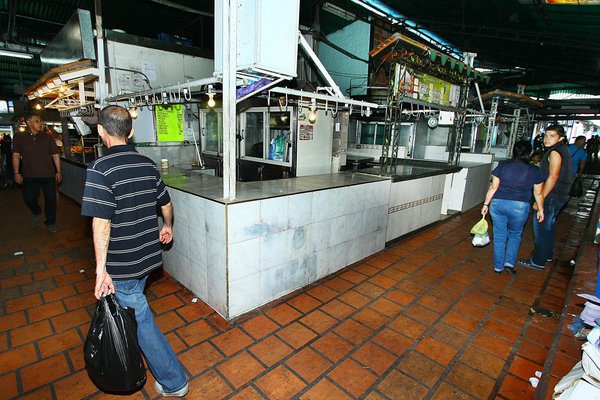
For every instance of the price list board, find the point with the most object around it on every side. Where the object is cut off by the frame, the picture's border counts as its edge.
(169, 123)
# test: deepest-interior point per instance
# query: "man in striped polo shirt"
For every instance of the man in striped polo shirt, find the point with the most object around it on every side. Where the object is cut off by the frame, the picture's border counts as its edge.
(122, 192)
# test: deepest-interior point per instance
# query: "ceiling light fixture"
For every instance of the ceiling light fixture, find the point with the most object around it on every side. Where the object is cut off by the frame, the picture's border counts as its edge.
(15, 54)
(211, 94)
(312, 115)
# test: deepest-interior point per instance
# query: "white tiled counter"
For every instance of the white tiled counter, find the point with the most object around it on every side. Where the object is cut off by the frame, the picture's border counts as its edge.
(276, 237)
(414, 204)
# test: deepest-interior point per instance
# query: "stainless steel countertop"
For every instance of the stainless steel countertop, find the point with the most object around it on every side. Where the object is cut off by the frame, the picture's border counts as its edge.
(211, 187)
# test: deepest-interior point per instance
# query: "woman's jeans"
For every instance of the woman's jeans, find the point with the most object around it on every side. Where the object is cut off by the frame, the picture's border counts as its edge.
(543, 232)
(509, 217)
(31, 192)
(159, 355)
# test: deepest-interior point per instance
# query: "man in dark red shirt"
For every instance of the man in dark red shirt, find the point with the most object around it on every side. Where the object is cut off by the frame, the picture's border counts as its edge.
(36, 163)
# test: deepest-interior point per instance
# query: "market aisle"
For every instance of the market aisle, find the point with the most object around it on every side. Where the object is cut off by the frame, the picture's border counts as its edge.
(427, 318)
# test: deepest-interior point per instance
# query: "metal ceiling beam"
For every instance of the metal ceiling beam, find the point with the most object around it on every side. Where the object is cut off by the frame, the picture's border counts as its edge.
(182, 8)
(512, 35)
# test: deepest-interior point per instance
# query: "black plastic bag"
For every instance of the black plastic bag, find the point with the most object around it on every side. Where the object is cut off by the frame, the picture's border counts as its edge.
(112, 355)
(576, 188)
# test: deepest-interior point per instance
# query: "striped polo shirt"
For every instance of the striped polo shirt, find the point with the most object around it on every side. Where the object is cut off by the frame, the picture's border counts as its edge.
(125, 187)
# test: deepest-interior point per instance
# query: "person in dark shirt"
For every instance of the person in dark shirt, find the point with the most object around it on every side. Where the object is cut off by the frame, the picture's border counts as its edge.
(36, 164)
(508, 202)
(121, 193)
(557, 167)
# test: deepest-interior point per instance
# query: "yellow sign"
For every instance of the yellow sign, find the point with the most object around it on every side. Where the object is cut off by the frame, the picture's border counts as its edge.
(169, 123)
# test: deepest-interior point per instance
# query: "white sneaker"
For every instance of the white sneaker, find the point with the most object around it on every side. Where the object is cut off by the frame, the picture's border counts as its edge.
(180, 393)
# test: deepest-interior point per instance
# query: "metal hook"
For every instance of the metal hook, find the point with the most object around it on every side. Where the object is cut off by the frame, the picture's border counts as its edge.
(187, 94)
(335, 113)
(300, 105)
(281, 105)
(350, 110)
(326, 106)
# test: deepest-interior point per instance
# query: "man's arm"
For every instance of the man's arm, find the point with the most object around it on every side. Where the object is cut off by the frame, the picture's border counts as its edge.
(56, 161)
(101, 234)
(16, 160)
(555, 161)
(166, 233)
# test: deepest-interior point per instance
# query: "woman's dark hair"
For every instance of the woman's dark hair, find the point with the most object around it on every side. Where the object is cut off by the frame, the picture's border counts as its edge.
(522, 151)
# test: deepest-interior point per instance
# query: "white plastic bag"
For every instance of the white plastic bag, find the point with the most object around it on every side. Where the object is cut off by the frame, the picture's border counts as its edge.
(481, 240)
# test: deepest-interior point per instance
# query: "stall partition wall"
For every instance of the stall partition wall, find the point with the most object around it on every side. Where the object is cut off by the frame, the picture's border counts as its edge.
(73, 180)
(414, 204)
(237, 257)
(466, 188)
(314, 144)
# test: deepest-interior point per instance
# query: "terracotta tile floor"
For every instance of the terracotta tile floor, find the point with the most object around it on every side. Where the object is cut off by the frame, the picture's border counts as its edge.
(426, 318)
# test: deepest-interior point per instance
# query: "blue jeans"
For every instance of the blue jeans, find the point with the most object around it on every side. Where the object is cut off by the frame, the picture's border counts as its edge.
(31, 192)
(159, 355)
(509, 217)
(543, 232)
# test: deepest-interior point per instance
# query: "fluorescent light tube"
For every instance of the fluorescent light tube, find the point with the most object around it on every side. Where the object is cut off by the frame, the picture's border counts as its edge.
(15, 54)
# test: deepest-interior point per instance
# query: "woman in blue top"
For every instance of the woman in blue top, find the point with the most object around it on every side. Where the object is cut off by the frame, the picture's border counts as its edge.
(508, 200)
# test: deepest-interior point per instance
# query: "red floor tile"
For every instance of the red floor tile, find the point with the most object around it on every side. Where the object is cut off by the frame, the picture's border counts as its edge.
(232, 341)
(271, 350)
(308, 364)
(54, 368)
(240, 369)
(259, 326)
(471, 381)
(199, 358)
(325, 389)
(207, 386)
(332, 346)
(352, 377)
(31, 332)
(283, 314)
(280, 383)
(318, 321)
(296, 335)
(396, 385)
(374, 357)
(421, 369)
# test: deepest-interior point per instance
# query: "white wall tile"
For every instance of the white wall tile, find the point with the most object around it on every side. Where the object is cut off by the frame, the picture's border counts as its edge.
(243, 258)
(341, 201)
(217, 294)
(322, 206)
(274, 214)
(214, 221)
(274, 250)
(244, 295)
(199, 280)
(299, 210)
(319, 235)
(338, 256)
(298, 241)
(244, 221)
(215, 259)
(197, 214)
(323, 267)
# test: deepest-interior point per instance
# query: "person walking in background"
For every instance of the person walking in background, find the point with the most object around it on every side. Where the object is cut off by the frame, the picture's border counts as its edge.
(508, 201)
(6, 158)
(592, 149)
(122, 192)
(36, 164)
(578, 155)
(557, 167)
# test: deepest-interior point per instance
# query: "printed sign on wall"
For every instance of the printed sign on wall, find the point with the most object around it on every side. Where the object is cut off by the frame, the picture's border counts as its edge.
(169, 123)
